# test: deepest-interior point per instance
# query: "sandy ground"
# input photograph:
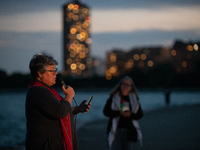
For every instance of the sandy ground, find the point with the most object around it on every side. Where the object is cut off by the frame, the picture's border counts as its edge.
(171, 128)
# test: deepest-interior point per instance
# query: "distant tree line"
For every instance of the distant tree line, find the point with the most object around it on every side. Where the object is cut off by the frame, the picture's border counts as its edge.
(159, 76)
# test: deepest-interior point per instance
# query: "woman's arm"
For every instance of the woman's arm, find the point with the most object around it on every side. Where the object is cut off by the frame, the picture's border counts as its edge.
(138, 115)
(108, 112)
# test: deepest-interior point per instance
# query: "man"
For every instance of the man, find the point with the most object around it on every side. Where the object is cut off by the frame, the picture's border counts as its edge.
(50, 123)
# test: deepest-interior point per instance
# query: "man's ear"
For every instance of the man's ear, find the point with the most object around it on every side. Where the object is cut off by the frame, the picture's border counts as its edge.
(39, 74)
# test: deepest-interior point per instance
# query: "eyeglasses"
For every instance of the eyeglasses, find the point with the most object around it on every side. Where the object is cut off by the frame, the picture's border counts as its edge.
(53, 71)
(126, 84)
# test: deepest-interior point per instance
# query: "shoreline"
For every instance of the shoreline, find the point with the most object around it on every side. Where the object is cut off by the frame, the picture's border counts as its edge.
(108, 89)
(172, 127)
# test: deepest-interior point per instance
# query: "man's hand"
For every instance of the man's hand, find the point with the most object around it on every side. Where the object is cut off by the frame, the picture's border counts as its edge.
(83, 108)
(69, 93)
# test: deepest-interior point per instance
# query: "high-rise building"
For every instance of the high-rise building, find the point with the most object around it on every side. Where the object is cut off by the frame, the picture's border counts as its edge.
(76, 39)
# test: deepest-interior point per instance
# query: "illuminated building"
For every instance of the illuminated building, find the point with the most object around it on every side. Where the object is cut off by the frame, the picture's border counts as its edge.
(120, 62)
(184, 57)
(76, 39)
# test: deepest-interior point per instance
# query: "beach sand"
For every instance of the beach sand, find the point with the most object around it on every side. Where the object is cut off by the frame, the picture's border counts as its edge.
(171, 128)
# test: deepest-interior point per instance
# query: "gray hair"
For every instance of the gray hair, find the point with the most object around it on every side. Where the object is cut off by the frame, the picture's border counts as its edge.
(39, 63)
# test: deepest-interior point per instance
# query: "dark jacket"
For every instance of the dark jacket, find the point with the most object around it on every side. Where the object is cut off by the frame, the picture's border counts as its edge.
(43, 114)
(108, 112)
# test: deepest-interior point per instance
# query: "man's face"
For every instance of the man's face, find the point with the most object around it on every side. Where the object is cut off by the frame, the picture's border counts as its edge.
(49, 76)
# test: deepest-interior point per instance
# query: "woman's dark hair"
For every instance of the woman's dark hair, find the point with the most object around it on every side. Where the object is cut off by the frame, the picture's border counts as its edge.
(118, 87)
(39, 63)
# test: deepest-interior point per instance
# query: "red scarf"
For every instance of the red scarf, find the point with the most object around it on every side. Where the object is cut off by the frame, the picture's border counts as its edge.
(65, 122)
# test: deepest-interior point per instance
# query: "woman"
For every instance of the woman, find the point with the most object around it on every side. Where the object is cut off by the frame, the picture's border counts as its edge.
(124, 110)
(49, 116)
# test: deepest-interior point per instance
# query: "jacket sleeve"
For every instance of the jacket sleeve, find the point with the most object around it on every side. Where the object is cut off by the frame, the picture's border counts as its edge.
(47, 104)
(138, 115)
(108, 112)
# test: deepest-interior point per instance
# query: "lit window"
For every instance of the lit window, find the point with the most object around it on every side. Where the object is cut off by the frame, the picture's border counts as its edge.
(196, 48)
(78, 72)
(78, 58)
(75, 11)
(150, 63)
(70, 15)
(69, 61)
(73, 66)
(189, 47)
(72, 54)
(129, 64)
(82, 55)
(173, 52)
(85, 24)
(86, 50)
(78, 36)
(113, 57)
(76, 7)
(143, 56)
(73, 31)
(73, 46)
(70, 6)
(113, 69)
(83, 34)
(75, 17)
(82, 66)
(85, 10)
(136, 57)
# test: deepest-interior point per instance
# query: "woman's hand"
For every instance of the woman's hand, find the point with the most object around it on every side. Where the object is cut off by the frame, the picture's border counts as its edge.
(125, 113)
(69, 93)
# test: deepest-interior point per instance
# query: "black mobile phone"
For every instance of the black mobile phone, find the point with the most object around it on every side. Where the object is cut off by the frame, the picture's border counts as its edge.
(62, 82)
(90, 100)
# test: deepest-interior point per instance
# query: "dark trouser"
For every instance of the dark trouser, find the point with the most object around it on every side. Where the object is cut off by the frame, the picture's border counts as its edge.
(120, 142)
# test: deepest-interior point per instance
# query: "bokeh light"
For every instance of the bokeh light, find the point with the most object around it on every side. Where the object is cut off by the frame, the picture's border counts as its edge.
(173, 52)
(150, 63)
(189, 47)
(113, 57)
(196, 48)
(136, 57)
(143, 57)
(184, 64)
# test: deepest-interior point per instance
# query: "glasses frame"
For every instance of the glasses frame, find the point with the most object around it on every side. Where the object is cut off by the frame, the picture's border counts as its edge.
(124, 84)
(53, 71)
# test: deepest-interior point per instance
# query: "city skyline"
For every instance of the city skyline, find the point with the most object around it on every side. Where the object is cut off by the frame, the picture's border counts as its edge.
(27, 28)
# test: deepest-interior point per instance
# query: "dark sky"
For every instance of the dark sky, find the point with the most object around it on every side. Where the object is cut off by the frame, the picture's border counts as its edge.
(29, 27)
